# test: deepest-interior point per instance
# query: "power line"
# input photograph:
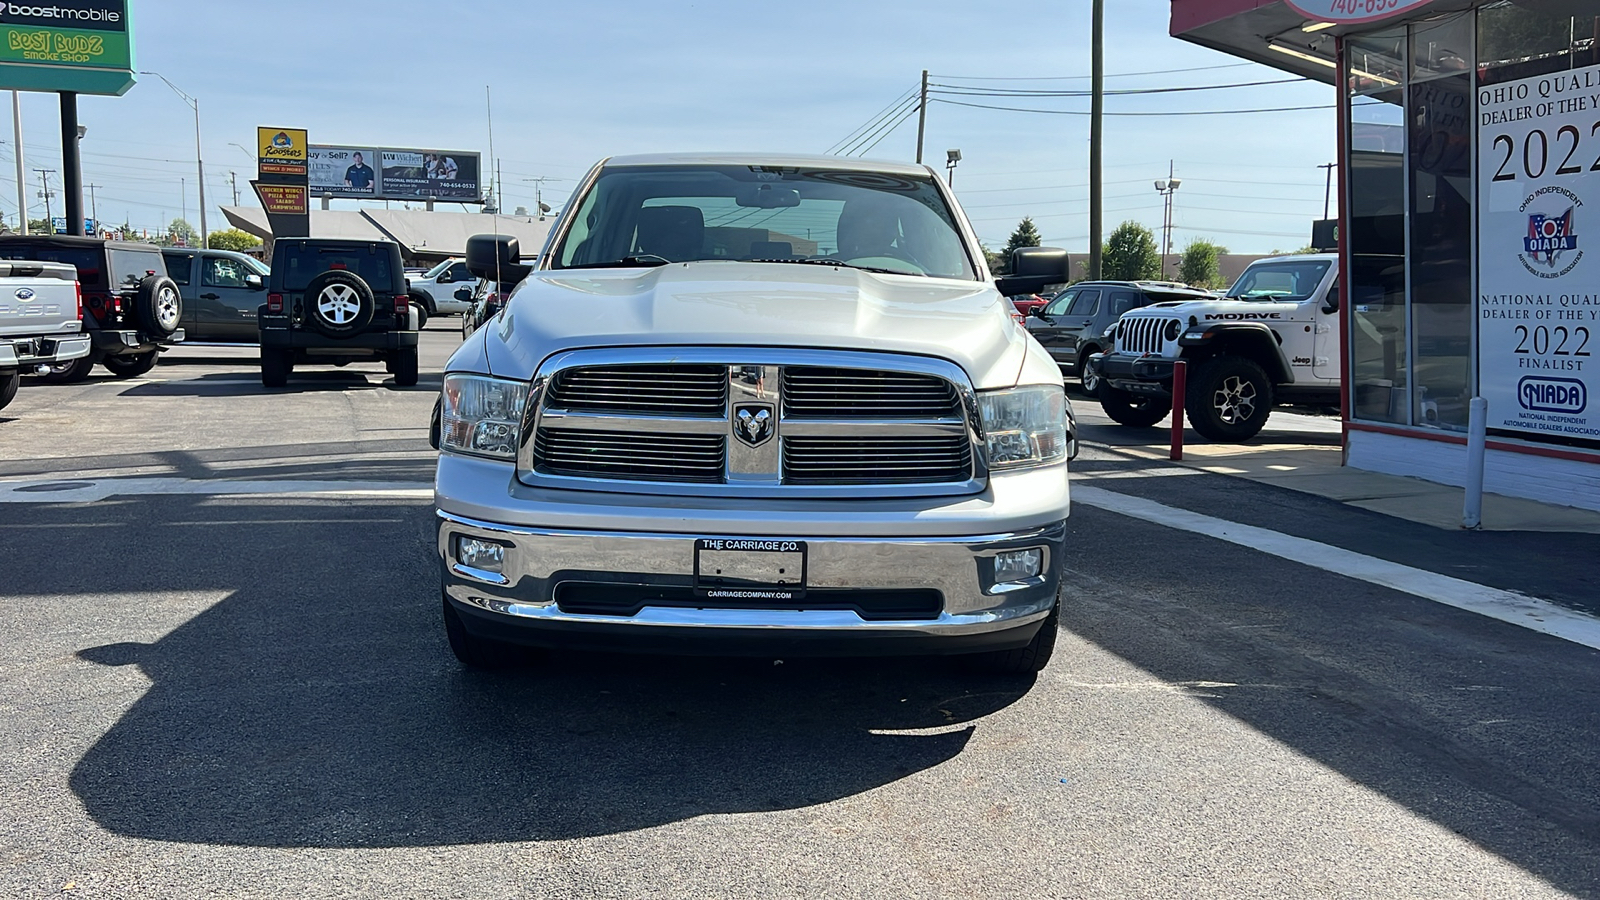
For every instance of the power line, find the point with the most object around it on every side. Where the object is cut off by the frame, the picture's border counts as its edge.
(1074, 112)
(877, 129)
(1087, 77)
(890, 130)
(960, 90)
(874, 119)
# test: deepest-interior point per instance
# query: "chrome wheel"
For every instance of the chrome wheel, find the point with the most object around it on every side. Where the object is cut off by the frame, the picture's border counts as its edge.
(1091, 380)
(1235, 400)
(168, 308)
(338, 304)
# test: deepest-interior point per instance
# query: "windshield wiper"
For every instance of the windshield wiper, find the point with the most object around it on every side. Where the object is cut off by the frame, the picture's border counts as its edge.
(837, 263)
(646, 260)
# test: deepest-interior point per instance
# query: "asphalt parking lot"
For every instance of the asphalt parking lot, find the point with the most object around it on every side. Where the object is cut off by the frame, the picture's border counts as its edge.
(224, 676)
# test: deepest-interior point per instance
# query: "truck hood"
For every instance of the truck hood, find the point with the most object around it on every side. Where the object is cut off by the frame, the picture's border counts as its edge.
(1224, 310)
(758, 305)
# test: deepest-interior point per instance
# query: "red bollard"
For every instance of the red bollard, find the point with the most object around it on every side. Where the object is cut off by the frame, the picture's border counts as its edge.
(1180, 388)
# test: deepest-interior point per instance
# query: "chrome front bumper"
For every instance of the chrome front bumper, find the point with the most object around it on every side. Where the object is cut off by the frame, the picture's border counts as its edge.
(521, 605)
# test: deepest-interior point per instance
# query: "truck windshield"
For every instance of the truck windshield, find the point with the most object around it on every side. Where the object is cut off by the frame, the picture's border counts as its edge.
(643, 215)
(1280, 280)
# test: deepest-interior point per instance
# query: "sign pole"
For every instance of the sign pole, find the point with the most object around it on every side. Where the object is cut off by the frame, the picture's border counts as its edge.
(22, 192)
(71, 168)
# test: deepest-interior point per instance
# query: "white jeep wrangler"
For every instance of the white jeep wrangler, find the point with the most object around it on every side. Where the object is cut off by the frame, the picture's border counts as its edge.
(1273, 338)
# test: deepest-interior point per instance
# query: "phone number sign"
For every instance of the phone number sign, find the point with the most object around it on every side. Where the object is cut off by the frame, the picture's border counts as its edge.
(1352, 11)
(1538, 263)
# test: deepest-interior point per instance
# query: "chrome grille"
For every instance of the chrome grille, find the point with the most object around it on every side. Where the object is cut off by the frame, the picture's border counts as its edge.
(1142, 334)
(876, 460)
(653, 390)
(646, 418)
(835, 393)
(693, 458)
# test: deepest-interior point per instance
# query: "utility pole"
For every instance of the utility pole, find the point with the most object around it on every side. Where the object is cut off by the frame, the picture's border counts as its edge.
(94, 208)
(183, 199)
(233, 179)
(22, 190)
(922, 115)
(44, 179)
(1167, 188)
(1327, 194)
(1097, 109)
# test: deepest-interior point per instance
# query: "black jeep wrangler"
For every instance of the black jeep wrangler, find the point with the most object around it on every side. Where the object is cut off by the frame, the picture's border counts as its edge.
(131, 309)
(335, 302)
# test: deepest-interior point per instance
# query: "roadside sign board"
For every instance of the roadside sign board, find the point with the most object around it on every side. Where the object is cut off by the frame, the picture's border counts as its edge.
(281, 151)
(344, 171)
(1351, 12)
(390, 173)
(282, 180)
(66, 45)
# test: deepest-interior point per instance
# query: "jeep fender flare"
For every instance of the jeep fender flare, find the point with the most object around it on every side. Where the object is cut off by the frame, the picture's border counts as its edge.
(1251, 339)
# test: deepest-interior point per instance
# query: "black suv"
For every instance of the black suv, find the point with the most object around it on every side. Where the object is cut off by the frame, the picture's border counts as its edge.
(131, 309)
(336, 302)
(1073, 325)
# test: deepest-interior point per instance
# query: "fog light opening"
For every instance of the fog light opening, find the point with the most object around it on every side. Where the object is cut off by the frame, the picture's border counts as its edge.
(1018, 565)
(485, 556)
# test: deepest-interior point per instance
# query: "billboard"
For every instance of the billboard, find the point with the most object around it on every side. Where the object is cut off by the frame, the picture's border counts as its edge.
(430, 175)
(66, 45)
(343, 171)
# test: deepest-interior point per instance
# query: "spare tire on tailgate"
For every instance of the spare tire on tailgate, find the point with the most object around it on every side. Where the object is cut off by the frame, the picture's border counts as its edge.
(338, 303)
(158, 305)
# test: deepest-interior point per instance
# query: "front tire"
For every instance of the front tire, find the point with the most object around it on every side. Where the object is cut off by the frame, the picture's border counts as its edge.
(1229, 399)
(275, 365)
(10, 380)
(131, 365)
(1088, 378)
(476, 652)
(1029, 660)
(404, 363)
(1128, 409)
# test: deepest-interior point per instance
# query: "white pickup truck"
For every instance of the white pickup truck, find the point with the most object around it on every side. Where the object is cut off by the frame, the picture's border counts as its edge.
(40, 320)
(756, 404)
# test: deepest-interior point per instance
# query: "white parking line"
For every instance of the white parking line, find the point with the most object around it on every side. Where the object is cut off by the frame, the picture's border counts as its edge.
(1506, 606)
(87, 490)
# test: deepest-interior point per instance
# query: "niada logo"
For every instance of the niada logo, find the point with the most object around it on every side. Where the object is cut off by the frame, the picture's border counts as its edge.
(1552, 395)
(1550, 247)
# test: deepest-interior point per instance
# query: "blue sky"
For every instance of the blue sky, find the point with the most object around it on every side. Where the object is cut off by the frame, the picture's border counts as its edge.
(575, 82)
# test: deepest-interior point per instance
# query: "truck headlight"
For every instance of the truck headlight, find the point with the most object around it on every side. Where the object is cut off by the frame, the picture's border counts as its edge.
(482, 415)
(1024, 426)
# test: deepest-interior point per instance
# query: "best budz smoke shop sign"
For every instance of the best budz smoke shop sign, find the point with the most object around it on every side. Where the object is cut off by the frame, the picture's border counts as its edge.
(66, 45)
(1539, 253)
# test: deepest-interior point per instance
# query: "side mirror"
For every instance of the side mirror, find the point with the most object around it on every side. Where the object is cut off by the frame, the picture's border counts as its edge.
(496, 257)
(254, 282)
(1033, 269)
(444, 278)
(464, 294)
(1330, 304)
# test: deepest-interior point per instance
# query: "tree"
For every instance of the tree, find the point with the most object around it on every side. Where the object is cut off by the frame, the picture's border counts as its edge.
(181, 232)
(232, 239)
(1026, 235)
(1130, 254)
(997, 264)
(40, 226)
(1200, 264)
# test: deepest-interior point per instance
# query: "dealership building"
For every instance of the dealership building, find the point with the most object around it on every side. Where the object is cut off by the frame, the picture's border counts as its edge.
(1469, 224)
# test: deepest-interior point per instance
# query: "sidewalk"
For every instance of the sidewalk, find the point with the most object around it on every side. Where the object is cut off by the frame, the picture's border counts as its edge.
(1277, 458)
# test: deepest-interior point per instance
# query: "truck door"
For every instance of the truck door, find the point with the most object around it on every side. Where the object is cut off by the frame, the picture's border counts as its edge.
(228, 302)
(180, 268)
(1325, 348)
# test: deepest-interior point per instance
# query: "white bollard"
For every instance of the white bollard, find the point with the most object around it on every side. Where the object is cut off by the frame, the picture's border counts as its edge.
(1477, 438)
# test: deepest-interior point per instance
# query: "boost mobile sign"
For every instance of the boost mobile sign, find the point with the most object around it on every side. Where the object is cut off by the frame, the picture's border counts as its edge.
(1539, 253)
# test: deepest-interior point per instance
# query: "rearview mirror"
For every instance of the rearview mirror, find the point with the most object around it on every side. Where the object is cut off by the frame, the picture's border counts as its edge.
(464, 294)
(766, 196)
(496, 257)
(1033, 269)
(254, 282)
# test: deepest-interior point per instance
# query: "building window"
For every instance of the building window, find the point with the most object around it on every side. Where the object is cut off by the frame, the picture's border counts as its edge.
(1376, 181)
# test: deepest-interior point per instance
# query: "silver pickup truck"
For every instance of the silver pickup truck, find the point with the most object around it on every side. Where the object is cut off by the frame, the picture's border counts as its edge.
(40, 320)
(755, 404)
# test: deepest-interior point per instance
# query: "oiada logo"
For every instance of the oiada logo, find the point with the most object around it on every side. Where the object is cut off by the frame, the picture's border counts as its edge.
(1553, 395)
(1550, 246)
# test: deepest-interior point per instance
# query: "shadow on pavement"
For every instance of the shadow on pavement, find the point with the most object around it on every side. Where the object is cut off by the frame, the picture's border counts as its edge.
(317, 705)
(1481, 727)
(302, 381)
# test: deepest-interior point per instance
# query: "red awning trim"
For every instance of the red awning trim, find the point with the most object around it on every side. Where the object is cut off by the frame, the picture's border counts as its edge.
(1188, 15)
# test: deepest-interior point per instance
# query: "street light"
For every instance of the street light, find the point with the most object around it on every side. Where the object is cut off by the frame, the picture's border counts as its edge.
(951, 157)
(1166, 187)
(243, 149)
(199, 163)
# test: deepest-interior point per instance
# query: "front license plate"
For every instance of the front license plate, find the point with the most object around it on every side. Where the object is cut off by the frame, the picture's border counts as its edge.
(747, 569)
